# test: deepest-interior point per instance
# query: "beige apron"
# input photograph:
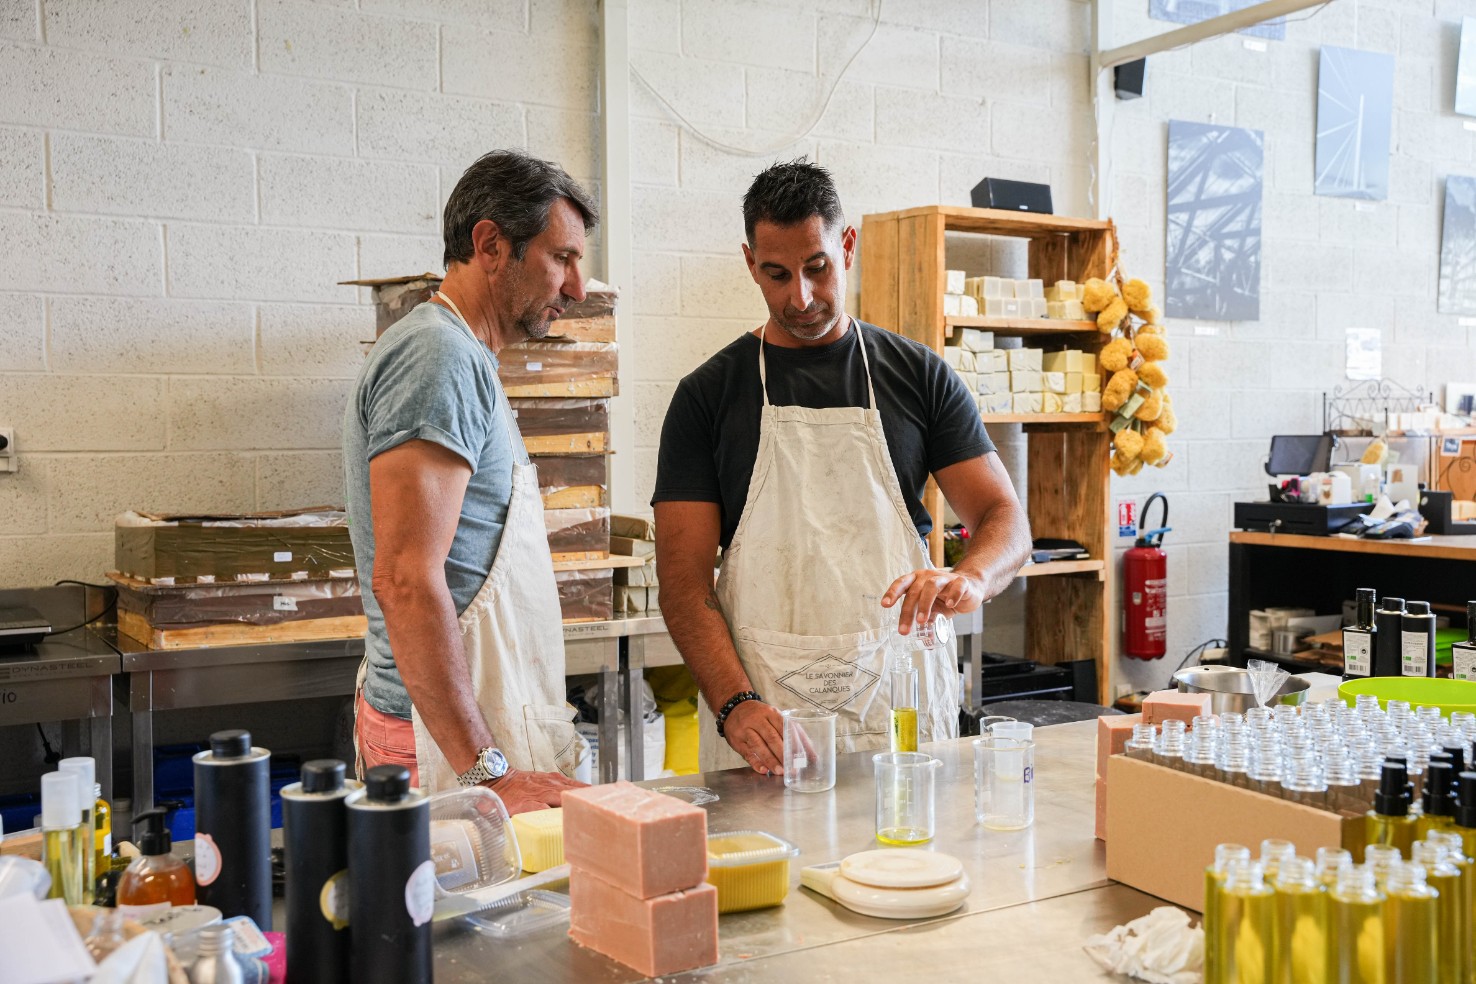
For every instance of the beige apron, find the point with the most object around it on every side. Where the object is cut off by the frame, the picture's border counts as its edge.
(512, 634)
(823, 526)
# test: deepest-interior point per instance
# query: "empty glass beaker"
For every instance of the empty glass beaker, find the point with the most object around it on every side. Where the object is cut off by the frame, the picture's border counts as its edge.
(904, 797)
(809, 750)
(1004, 782)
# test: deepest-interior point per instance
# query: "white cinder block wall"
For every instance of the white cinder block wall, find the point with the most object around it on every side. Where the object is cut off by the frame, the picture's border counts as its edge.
(182, 184)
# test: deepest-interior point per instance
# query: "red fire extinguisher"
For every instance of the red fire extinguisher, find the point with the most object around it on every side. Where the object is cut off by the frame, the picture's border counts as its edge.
(1145, 590)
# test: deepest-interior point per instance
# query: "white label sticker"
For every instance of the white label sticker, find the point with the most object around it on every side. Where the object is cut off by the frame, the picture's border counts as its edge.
(282, 557)
(535, 367)
(333, 900)
(1469, 125)
(1252, 44)
(138, 913)
(420, 893)
(1412, 649)
(1357, 653)
(207, 859)
(1463, 658)
(283, 603)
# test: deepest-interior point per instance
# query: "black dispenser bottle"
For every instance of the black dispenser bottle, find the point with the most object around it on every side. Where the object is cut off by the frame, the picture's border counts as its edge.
(1389, 622)
(233, 827)
(315, 839)
(391, 879)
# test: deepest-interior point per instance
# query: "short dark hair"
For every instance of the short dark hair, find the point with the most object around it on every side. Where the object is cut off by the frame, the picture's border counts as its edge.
(515, 190)
(789, 193)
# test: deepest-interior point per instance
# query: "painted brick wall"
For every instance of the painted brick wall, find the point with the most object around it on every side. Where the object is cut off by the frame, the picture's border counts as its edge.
(181, 187)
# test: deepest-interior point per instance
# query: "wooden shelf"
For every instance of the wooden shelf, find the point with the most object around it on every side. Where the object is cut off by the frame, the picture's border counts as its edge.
(600, 563)
(1064, 567)
(1002, 222)
(1042, 418)
(1022, 326)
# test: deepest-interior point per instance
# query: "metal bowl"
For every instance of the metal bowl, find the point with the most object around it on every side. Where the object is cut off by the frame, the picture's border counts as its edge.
(1230, 688)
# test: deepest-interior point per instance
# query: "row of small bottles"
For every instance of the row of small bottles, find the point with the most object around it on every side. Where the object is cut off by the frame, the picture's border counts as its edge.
(1395, 919)
(1397, 638)
(378, 830)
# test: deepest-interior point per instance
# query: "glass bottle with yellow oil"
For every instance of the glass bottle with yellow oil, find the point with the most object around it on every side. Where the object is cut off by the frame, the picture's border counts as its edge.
(904, 703)
(1300, 946)
(1462, 947)
(1445, 878)
(1465, 817)
(1214, 890)
(1356, 929)
(1410, 922)
(1390, 822)
(1440, 800)
(1248, 921)
(62, 841)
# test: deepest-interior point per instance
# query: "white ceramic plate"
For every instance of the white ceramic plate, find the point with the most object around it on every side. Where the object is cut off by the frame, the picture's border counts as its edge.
(901, 867)
(901, 903)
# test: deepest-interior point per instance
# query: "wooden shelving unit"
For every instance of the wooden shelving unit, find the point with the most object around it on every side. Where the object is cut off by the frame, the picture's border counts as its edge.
(1067, 485)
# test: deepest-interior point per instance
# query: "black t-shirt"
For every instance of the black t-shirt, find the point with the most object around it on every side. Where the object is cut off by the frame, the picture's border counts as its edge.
(710, 439)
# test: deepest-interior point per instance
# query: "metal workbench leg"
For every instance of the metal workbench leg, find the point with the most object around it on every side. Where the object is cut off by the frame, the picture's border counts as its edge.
(141, 705)
(633, 662)
(609, 727)
(101, 748)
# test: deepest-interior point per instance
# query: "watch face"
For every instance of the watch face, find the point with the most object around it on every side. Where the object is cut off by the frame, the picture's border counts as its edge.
(495, 763)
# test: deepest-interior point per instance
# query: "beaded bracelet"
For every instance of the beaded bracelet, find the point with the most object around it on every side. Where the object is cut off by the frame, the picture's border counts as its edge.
(733, 702)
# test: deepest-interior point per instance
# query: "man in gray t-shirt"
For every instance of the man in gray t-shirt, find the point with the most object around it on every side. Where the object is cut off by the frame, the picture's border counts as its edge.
(463, 675)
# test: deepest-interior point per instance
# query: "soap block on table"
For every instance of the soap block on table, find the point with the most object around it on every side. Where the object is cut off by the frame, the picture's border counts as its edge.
(647, 843)
(1113, 733)
(1165, 705)
(665, 934)
(540, 833)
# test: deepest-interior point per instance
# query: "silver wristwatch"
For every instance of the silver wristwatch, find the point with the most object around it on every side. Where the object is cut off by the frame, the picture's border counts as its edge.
(490, 764)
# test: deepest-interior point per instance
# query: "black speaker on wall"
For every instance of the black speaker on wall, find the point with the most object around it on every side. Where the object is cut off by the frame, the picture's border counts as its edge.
(1128, 79)
(1017, 196)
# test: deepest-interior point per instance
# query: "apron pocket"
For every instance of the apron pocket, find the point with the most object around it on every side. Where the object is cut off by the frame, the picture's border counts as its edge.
(841, 673)
(549, 729)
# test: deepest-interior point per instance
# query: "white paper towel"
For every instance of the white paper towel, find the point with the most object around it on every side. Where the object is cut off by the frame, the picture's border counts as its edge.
(1161, 947)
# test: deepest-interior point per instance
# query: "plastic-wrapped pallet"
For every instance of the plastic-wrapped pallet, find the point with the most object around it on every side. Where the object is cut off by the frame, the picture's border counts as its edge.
(578, 534)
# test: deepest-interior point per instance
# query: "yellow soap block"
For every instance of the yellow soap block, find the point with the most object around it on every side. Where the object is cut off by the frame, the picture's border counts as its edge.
(541, 838)
(1051, 403)
(1055, 361)
(1091, 382)
(1025, 358)
(1073, 383)
(1091, 402)
(1088, 362)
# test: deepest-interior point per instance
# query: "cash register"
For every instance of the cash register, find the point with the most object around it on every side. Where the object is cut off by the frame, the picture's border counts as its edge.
(1300, 455)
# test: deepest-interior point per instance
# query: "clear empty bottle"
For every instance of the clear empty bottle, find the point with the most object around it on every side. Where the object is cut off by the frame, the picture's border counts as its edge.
(1169, 748)
(1199, 755)
(1356, 950)
(1304, 783)
(1264, 772)
(1234, 761)
(1142, 745)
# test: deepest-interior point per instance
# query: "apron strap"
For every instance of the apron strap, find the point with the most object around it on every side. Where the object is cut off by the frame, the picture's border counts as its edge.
(481, 347)
(763, 373)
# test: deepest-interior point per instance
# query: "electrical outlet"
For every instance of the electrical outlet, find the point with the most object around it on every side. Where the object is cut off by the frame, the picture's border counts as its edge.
(7, 450)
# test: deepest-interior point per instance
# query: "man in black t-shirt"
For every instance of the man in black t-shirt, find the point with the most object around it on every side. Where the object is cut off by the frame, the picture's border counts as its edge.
(802, 450)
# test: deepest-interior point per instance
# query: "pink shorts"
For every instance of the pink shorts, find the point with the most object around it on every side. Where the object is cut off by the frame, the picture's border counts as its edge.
(384, 739)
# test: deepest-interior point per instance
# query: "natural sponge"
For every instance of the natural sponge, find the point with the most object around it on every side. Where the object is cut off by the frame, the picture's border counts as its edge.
(1167, 422)
(1111, 316)
(1137, 295)
(1097, 294)
(1155, 448)
(1119, 389)
(1128, 442)
(1152, 346)
(1152, 407)
(1153, 374)
(1116, 354)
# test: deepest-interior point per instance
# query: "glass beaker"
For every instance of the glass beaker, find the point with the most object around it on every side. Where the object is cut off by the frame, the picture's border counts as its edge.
(1004, 782)
(809, 750)
(904, 797)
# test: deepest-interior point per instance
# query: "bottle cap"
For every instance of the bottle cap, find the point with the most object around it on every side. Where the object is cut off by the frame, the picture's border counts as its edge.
(387, 783)
(1439, 800)
(151, 833)
(322, 776)
(1457, 755)
(1393, 604)
(1466, 807)
(1416, 608)
(60, 805)
(85, 770)
(1471, 620)
(1390, 799)
(1366, 594)
(235, 743)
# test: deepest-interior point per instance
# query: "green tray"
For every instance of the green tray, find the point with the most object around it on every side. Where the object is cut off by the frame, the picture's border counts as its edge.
(1448, 695)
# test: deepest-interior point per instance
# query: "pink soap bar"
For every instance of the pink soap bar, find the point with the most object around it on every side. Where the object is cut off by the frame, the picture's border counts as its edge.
(665, 934)
(1162, 705)
(645, 843)
(1101, 809)
(1113, 732)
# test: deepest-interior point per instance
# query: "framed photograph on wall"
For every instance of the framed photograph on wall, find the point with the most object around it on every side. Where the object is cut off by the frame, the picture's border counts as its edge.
(1457, 291)
(1465, 89)
(1355, 116)
(1212, 260)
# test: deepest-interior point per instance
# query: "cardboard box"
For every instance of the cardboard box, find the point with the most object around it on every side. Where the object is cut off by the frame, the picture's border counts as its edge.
(1163, 826)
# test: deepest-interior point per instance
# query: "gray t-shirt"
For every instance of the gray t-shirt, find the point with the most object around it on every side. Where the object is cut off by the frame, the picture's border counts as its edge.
(428, 378)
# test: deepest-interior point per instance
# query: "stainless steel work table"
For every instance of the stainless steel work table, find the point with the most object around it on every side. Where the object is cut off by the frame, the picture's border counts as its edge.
(216, 676)
(66, 678)
(1037, 894)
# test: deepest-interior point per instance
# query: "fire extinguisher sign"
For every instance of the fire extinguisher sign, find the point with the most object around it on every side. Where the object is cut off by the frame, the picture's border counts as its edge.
(1127, 524)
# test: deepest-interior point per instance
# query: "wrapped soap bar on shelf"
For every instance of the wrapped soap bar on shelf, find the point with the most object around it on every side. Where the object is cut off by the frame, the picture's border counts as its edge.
(578, 534)
(572, 481)
(563, 426)
(559, 369)
(586, 596)
(293, 544)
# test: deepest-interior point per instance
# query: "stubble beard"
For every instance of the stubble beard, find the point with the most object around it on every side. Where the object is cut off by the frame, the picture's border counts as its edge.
(809, 333)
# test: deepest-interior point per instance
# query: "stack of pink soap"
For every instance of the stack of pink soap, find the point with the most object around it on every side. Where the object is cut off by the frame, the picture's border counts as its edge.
(1113, 732)
(1164, 705)
(637, 884)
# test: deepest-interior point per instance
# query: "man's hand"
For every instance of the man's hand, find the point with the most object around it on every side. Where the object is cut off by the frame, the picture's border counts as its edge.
(925, 594)
(524, 792)
(755, 730)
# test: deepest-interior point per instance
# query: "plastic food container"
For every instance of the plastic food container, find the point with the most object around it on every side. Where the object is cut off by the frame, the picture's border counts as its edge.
(523, 914)
(749, 869)
(540, 836)
(1448, 695)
